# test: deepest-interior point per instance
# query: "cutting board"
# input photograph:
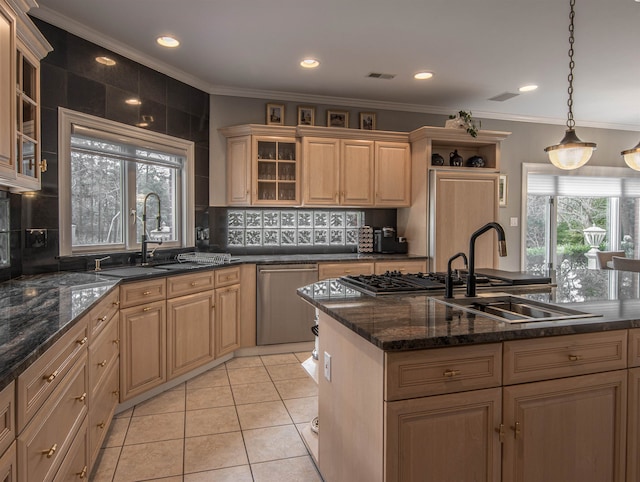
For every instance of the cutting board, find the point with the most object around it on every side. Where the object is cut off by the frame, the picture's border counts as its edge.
(514, 277)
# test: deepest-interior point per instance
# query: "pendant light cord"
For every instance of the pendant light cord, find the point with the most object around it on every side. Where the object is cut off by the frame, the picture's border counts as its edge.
(570, 122)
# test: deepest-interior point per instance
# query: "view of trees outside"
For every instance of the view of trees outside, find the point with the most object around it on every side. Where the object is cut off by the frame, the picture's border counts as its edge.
(98, 194)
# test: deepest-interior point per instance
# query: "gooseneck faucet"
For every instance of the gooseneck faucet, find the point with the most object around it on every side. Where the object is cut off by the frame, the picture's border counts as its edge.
(144, 240)
(448, 281)
(502, 251)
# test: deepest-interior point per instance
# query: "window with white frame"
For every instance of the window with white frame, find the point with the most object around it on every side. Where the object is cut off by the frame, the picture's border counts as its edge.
(106, 172)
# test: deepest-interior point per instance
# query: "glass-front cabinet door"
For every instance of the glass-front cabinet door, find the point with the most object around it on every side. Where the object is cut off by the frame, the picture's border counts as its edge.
(28, 120)
(275, 171)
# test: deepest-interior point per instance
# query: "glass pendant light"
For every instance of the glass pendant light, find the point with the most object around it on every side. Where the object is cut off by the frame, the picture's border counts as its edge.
(570, 152)
(632, 157)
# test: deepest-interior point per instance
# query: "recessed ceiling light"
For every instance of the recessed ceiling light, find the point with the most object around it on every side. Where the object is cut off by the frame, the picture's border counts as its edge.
(528, 88)
(310, 63)
(133, 101)
(168, 41)
(105, 61)
(423, 75)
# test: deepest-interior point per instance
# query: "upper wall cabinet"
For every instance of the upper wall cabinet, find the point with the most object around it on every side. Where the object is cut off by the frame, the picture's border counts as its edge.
(350, 167)
(262, 165)
(21, 48)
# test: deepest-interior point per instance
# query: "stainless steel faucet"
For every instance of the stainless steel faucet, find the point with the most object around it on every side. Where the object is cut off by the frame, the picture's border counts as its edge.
(145, 240)
(502, 251)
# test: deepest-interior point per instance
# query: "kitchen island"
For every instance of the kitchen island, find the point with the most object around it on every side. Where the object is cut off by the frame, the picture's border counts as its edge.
(418, 390)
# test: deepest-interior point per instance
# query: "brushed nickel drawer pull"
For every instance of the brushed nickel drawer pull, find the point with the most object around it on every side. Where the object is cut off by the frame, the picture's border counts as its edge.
(146, 309)
(116, 341)
(82, 397)
(516, 430)
(193, 283)
(575, 357)
(102, 318)
(102, 363)
(50, 378)
(146, 293)
(450, 373)
(82, 342)
(83, 474)
(500, 432)
(116, 303)
(115, 393)
(49, 453)
(101, 425)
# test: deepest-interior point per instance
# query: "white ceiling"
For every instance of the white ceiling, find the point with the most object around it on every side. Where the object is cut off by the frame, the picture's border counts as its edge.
(477, 49)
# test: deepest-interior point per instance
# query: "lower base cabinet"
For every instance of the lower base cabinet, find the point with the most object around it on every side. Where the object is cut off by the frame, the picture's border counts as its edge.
(102, 407)
(75, 466)
(227, 323)
(426, 434)
(8, 465)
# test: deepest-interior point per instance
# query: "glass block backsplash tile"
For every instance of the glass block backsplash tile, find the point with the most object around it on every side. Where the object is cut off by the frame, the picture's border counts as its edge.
(289, 227)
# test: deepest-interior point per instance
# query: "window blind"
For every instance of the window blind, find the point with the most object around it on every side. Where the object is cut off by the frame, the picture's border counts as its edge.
(582, 186)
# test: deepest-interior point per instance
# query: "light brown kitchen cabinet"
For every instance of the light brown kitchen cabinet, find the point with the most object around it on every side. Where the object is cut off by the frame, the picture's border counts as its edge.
(44, 443)
(461, 203)
(566, 429)
(227, 322)
(7, 417)
(21, 48)
(403, 266)
(190, 332)
(336, 270)
(7, 91)
(338, 172)
(633, 426)
(101, 408)
(8, 465)
(446, 437)
(143, 348)
(392, 174)
(75, 466)
(263, 166)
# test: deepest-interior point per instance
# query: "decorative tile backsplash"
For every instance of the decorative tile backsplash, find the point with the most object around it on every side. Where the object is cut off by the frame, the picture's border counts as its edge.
(288, 227)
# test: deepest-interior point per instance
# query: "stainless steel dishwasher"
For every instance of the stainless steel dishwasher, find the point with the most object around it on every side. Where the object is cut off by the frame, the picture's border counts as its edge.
(282, 315)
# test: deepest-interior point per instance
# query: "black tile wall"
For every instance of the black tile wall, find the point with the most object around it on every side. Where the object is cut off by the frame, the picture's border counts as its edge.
(71, 78)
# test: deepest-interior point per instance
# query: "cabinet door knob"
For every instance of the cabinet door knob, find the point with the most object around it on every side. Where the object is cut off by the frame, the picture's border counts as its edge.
(83, 474)
(82, 397)
(49, 453)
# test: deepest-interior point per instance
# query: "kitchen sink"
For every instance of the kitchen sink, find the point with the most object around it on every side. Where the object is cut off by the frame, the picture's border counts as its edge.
(178, 266)
(131, 271)
(514, 309)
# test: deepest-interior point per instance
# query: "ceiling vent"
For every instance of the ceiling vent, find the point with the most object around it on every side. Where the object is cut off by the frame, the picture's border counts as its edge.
(504, 96)
(378, 75)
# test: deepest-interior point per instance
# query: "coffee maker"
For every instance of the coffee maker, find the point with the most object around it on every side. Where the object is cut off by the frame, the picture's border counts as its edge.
(385, 241)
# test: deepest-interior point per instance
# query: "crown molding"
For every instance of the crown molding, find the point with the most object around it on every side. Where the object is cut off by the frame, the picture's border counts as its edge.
(81, 30)
(76, 28)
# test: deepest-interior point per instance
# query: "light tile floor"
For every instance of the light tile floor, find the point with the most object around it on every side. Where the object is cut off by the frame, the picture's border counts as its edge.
(237, 422)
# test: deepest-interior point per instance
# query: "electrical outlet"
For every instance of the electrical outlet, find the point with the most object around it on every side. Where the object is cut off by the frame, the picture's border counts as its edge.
(35, 238)
(514, 222)
(327, 366)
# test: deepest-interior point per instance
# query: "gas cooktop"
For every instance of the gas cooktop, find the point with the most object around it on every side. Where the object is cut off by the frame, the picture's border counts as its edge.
(394, 282)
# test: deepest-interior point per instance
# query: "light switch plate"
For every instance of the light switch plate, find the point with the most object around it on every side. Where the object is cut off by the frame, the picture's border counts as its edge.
(327, 366)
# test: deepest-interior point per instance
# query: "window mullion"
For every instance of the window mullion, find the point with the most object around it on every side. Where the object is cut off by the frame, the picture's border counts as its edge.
(132, 209)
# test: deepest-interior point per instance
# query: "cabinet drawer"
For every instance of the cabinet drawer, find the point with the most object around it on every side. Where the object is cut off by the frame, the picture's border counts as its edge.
(103, 312)
(47, 438)
(103, 353)
(402, 266)
(75, 466)
(335, 270)
(101, 413)
(564, 356)
(190, 283)
(142, 292)
(227, 276)
(7, 417)
(8, 465)
(634, 347)
(442, 370)
(37, 382)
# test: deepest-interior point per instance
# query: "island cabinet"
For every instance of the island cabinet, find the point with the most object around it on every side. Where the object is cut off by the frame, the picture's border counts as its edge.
(8, 434)
(552, 409)
(8, 471)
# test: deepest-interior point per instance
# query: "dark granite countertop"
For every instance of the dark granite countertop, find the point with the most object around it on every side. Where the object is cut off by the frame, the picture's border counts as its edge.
(412, 322)
(35, 311)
